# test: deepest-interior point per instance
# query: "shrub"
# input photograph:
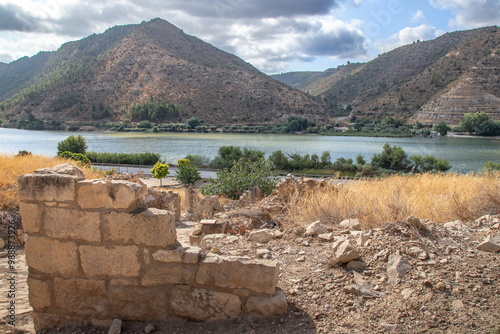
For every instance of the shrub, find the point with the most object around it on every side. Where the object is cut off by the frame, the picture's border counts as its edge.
(242, 176)
(124, 158)
(159, 171)
(187, 173)
(392, 157)
(73, 144)
(82, 159)
(23, 153)
(198, 160)
(228, 155)
(442, 128)
(491, 166)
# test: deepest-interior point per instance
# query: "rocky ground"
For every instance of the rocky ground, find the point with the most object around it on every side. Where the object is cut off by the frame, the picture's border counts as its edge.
(412, 277)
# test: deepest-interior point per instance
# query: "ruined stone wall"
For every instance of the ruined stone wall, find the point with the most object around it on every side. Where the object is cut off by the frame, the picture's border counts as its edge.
(95, 253)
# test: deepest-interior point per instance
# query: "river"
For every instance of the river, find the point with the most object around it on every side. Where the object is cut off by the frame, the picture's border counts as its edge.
(464, 154)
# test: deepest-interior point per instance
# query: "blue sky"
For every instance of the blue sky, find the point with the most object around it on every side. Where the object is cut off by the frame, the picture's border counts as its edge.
(274, 35)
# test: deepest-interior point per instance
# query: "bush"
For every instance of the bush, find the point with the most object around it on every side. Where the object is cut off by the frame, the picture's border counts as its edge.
(198, 160)
(187, 173)
(429, 163)
(124, 158)
(82, 159)
(228, 155)
(242, 176)
(491, 166)
(392, 157)
(73, 144)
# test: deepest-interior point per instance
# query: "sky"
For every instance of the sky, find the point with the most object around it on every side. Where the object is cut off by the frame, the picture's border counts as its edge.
(275, 36)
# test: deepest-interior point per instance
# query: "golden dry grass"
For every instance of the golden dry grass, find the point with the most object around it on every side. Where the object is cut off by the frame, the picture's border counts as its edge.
(11, 167)
(437, 197)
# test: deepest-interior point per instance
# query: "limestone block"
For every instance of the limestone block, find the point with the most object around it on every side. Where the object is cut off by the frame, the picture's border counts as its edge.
(46, 187)
(351, 224)
(189, 255)
(153, 227)
(316, 229)
(490, 244)
(204, 305)
(267, 306)
(72, 224)
(51, 256)
(192, 255)
(63, 169)
(138, 303)
(116, 194)
(169, 274)
(31, 216)
(81, 296)
(260, 276)
(110, 261)
(39, 293)
(346, 252)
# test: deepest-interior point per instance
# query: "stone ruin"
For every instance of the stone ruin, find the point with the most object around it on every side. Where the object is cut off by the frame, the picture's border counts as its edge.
(95, 253)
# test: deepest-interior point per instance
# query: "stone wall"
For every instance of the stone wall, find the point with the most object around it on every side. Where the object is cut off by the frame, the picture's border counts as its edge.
(95, 253)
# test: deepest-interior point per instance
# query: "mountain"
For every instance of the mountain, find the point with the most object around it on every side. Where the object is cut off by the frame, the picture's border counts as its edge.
(430, 81)
(129, 71)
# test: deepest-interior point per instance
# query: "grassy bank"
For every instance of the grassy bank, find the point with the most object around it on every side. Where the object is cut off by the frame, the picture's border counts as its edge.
(11, 167)
(437, 197)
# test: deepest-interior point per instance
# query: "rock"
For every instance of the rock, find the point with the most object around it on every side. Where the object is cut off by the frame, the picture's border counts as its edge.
(457, 304)
(406, 293)
(416, 223)
(2, 243)
(265, 306)
(356, 265)
(389, 327)
(346, 252)
(326, 236)
(363, 237)
(351, 224)
(261, 236)
(315, 229)
(455, 225)
(262, 252)
(415, 251)
(64, 169)
(150, 328)
(397, 267)
(440, 286)
(211, 240)
(490, 244)
(116, 327)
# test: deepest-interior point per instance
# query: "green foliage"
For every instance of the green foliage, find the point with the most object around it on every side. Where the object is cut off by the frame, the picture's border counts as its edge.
(159, 171)
(124, 158)
(429, 163)
(187, 173)
(144, 124)
(491, 166)
(73, 144)
(23, 153)
(193, 122)
(198, 160)
(81, 158)
(228, 155)
(360, 161)
(153, 111)
(442, 128)
(392, 157)
(344, 165)
(242, 176)
(480, 124)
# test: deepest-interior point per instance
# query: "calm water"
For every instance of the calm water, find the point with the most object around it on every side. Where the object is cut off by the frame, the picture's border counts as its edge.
(464, 154)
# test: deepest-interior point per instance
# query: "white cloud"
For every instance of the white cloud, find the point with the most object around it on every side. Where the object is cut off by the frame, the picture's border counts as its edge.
(407, 36)
(471, 13)
(418, 16)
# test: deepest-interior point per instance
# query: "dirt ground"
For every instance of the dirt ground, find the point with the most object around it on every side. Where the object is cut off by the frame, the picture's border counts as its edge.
(451, 286)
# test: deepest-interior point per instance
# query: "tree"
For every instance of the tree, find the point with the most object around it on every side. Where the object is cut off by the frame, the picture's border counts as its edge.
(474, 122)
(193, 122)
(242, 176)
(73, 144)
(187, 173)
(442, 128)
(392, 157)
(159, 171)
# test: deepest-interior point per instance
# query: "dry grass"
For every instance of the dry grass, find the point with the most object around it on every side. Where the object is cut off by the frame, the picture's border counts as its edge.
(11, 167)
(437, 197)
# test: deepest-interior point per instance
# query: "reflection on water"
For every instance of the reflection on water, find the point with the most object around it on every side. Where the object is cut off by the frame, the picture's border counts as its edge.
(464, 154)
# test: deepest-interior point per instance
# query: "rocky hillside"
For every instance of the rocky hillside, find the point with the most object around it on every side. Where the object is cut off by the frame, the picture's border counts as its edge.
(99, 78)
(431, 81)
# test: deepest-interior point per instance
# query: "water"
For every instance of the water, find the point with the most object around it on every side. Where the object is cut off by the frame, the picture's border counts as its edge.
(464, 154)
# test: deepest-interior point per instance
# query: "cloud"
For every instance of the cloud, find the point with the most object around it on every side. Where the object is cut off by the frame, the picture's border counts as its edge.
(407, 36)
(14, 18)
(5, 58)
(418, 16)
(471, 13)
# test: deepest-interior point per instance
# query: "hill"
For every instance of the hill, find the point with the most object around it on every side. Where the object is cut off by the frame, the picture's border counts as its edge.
(430, 81)
(151, 71)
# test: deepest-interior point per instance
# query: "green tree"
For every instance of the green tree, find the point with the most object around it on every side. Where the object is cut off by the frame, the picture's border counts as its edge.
(73, 144)
(187, 173)
(242, 176)
(159, 171)
(392, 157)
(193, 122)
(442, 128)
(473, 123)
